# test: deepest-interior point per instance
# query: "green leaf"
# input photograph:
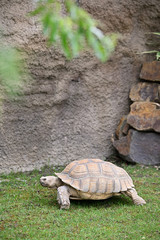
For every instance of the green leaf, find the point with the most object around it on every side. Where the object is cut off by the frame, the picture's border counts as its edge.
(156, 33)
(75, 44)
(54, 24)
(46, 21)
(37, 11)
(153, 51)
(65, 44)
(158, 56)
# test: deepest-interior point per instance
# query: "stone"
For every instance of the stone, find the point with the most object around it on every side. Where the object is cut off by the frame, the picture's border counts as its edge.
(122, 128)
(151, 71)
(139, 147)
(145, 91)
(144, 116)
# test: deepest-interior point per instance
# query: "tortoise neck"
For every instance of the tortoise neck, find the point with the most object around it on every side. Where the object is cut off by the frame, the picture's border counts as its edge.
(58, 182)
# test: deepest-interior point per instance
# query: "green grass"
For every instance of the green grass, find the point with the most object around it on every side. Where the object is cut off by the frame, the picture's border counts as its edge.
(29, 211)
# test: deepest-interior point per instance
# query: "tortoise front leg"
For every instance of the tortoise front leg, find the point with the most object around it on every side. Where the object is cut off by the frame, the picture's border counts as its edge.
(132, 193)
(63, 197)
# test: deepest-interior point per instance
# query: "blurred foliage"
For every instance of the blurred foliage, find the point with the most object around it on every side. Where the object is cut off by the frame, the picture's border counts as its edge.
(12, 70)
(63, 22)
(73, 28)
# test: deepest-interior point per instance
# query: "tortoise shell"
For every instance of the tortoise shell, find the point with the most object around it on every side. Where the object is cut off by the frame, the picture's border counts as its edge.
(96, 176)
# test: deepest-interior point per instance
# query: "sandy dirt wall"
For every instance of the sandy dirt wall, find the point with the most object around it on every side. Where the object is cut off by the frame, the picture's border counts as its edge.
(71, 108)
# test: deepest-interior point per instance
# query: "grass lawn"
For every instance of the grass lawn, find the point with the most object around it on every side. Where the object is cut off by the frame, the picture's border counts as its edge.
(29, 211)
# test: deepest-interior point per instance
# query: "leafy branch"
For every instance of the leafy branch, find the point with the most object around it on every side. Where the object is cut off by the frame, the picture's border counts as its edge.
(73, 28)
(64, 23)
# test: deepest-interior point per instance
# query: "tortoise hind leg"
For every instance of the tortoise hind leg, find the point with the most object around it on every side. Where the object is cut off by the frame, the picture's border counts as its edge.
(132, 193)
(63, 197)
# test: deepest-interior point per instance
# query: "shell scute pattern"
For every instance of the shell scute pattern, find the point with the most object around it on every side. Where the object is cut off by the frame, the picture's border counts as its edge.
(110, 185)
(93, 169)
(107, 170)
(78, 172)
(117, 186)
(85, 185)
(96, 176)
(70, 166)
(102, 185)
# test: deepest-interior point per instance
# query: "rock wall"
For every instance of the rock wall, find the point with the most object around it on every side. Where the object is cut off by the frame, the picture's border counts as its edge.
(71, 108)
(137, 137)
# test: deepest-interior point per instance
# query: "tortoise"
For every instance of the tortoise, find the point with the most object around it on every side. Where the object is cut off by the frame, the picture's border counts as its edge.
(91, 179)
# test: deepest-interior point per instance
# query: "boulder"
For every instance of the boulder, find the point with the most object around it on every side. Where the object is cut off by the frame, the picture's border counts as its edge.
(122, 128)
(151, 71)
(145, 91)
(144, 116)
(139, 147)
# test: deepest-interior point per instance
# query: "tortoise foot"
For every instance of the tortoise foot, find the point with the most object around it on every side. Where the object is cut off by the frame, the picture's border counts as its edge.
(63, 197)
(137, 200)
(65, 206)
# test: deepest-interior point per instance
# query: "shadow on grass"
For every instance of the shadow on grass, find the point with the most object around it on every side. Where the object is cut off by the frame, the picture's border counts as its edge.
(107, 203)
(114, 201)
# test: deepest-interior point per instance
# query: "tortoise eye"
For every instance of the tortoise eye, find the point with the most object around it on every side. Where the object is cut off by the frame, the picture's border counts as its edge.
(43, 179)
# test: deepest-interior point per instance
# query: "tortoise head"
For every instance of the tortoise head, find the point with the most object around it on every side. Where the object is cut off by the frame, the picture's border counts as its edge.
(50, 182)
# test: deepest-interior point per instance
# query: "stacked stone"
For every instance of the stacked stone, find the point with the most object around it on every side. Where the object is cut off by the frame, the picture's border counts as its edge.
(138, 133)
